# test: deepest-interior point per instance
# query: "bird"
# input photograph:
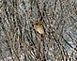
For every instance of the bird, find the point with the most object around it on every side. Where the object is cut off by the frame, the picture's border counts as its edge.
(39, 27)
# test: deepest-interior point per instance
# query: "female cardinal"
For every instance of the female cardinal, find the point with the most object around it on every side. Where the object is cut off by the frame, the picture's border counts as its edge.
(38, 26)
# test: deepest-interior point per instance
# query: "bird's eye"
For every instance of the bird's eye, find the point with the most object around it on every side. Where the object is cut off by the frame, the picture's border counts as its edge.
(36, 23)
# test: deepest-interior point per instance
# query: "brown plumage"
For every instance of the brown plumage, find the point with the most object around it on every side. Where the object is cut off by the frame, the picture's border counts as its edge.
(38, 26)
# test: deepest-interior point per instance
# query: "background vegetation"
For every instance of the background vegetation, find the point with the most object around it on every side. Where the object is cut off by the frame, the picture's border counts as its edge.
(20, 42)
